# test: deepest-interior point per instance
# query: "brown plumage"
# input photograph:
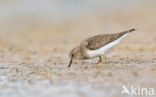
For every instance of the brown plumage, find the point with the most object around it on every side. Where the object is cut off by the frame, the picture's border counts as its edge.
(98, 41)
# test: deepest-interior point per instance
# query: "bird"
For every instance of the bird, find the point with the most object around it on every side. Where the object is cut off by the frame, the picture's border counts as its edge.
(97, 46)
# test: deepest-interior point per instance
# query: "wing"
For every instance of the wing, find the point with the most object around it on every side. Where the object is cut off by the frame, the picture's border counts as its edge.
(98, 41)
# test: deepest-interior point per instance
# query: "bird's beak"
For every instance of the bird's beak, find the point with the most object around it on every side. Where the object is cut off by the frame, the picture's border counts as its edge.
(70, 62)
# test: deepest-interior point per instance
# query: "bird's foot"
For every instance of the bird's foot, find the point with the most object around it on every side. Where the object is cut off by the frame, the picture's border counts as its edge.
(106, 61)
(100, 59)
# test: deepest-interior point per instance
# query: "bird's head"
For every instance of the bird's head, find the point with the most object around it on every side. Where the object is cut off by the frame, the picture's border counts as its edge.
(74, 54)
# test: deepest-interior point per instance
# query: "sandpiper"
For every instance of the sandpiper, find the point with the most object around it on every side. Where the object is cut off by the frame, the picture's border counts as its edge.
(97, 46)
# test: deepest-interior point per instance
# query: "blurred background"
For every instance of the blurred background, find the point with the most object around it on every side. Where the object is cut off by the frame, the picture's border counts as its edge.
(55, 21)
(36, 37)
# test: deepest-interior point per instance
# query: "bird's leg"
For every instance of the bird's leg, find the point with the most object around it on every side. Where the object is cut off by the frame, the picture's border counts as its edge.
(100, 59)
(105, 59)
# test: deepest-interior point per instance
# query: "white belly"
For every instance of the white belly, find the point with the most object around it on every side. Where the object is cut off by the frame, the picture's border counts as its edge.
(105, 49)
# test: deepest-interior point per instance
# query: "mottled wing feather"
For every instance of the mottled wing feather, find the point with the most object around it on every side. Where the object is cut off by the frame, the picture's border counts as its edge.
(98, 41)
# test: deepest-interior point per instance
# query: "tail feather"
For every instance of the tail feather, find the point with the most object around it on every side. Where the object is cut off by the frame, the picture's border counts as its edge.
(128, 31)
(125, 32)
(131, 30)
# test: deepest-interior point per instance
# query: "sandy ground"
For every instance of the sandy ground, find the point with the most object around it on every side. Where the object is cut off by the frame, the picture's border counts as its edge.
(29, 69)
(33, 62)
